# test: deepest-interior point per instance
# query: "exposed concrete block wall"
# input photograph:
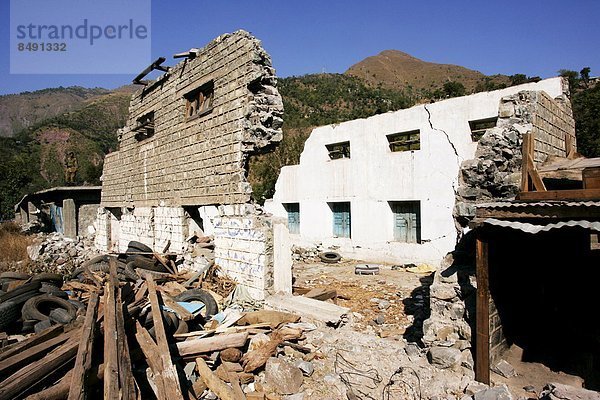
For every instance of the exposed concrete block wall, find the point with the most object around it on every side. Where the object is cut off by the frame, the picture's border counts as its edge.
(198, 161)
(244, 247)
(102, 225)
(170, 224)
(136, 224)
(552, 123)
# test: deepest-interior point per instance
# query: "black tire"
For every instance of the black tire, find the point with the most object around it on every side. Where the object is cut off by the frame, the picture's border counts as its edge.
(14, 276)
(129, 272)
(199, 295)
(138, 247)
(39, 307)
(147, 264)
(330, 257)
(57, 279)
(60, 316)
(95, 260)
(27, 288)
(9, 313)
(48, 287)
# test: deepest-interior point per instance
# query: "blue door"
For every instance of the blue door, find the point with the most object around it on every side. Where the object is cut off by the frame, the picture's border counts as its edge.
(293, 212)
(341, 219)
(407, 221)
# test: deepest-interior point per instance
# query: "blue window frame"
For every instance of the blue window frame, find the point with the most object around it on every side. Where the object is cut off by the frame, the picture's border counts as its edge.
(293, 212)
(407, 221)
(342, 226)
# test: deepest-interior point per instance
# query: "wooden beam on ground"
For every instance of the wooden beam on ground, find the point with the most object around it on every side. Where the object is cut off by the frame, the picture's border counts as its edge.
(220, 388)
(538, 184)
(31, 341)
(37, 372)
(150, 350)
(126, 381)
(169, 373)
(215, 343)
(26, 356)
(111, 353)
(83, 362)
(482, 321)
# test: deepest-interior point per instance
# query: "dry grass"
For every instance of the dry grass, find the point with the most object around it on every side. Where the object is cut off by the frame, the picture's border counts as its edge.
(13, 243)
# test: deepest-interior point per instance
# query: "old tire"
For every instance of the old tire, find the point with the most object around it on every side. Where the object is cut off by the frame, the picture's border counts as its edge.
(144, 263)
(199, 295)
(14, 276)
(330, 257)
(9, 313)
(366, 269)
(24, 291)
(39, 307)
(138, 247)
(56, 279)
(95, 260)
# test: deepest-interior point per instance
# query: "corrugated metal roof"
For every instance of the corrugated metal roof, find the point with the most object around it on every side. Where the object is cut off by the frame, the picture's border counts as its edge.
(511, 204)
(531, 228)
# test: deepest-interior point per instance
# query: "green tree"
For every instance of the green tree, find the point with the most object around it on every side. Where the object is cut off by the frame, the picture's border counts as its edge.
(454, 89)
(586, 111)
(518, 79)
(585, 75)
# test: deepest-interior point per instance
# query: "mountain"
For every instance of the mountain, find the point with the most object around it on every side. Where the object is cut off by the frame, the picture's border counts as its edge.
(398, 70)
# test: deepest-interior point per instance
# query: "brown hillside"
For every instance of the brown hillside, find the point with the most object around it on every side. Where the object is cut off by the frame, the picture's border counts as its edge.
(398, 70)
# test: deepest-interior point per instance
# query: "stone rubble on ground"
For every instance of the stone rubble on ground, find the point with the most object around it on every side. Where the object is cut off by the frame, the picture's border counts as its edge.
(54, 252)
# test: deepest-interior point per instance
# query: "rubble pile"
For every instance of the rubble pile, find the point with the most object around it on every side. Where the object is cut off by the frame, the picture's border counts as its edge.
(130, 324)
(198, 254)
(56, 253)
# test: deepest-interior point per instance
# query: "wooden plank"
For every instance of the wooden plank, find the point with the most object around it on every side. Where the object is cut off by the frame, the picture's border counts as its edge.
(572, 194)
(31, 341)
(37, 372)
(33, 353)
(538, 184)
(164, 263)
(169, 373)
(591, 178)
(126, 381)
(111, 356)
(535, 212)
(526, 150)
(150, 350)
(83, 362)
(205, 345)
(482, 322)
(220, 388)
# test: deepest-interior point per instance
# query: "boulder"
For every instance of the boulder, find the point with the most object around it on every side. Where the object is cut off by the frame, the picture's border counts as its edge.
(444, 357)
(283, 376)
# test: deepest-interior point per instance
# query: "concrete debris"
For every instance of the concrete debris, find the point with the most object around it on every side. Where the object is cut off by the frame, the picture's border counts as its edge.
(557, 391)
(500, 392)
(314, 310)
(504, 368)
(283, 376)
(444, 357)
(56, 253)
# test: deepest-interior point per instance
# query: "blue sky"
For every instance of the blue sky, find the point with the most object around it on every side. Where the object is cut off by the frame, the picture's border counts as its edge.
(531, 37)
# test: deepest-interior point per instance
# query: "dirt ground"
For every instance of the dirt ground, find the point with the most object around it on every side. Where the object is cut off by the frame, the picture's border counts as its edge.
(408, 297)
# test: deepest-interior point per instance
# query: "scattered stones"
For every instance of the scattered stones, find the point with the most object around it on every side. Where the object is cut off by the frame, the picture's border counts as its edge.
(380, 319)
(283, 376)
(475, 387)
(504, 368)
(306, 367)
(444, 357)
(499, 392)
(56, 253)
(383, 304)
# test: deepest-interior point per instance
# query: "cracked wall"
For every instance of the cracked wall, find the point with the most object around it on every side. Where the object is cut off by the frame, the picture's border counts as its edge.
(208, 114)
(492, 174)
(373, 177)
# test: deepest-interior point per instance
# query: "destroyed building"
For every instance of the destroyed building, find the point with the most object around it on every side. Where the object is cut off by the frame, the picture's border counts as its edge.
(181, 166)
(384, 188)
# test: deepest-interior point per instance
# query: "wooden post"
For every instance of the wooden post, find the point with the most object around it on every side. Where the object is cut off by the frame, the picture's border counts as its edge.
(169, 372)
(526, 149)
(83, 362)
(482, 322)
(111, 357)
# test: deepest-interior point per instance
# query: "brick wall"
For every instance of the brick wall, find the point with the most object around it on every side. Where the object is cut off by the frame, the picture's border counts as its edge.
(552, 123)
(200, 161)
(244, 247)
